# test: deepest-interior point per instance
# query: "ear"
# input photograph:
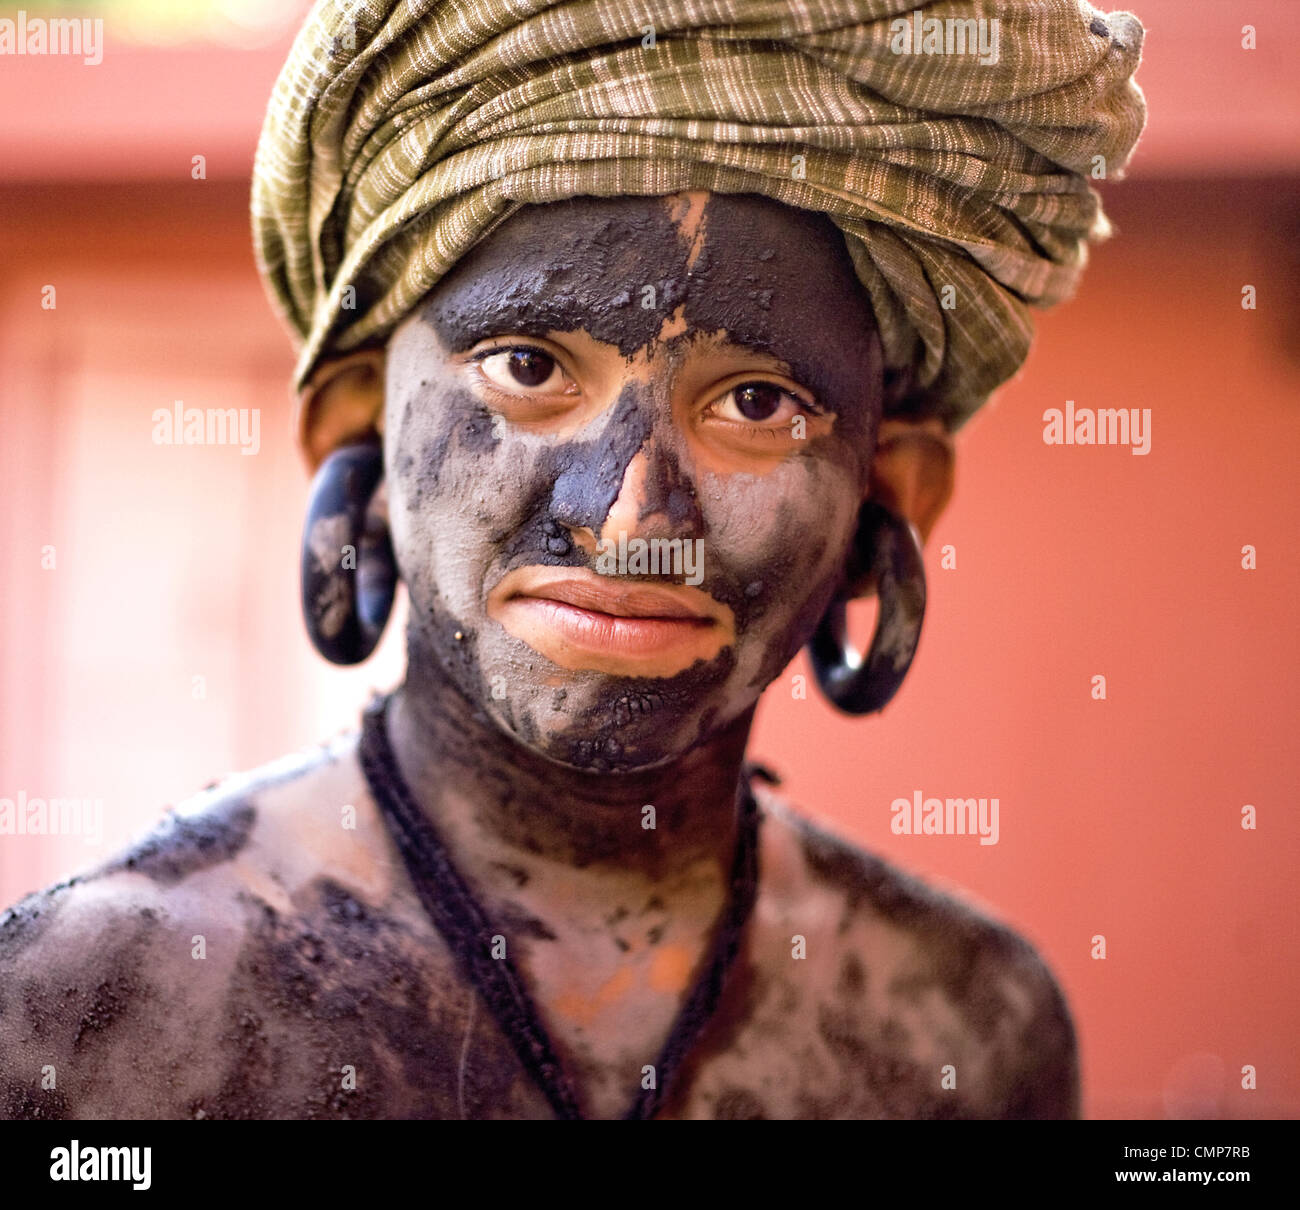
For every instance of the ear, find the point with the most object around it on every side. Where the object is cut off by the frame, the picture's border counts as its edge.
(343, 401)
(913, 471)
(912, 476)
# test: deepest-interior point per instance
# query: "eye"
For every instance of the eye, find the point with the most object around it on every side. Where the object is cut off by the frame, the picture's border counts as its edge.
(760, 404)
(523, 366)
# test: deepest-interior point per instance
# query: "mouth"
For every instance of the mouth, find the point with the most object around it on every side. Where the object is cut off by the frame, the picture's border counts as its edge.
(580, 620)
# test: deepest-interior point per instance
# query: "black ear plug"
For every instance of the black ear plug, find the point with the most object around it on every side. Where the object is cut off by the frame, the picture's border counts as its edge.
(349, 571)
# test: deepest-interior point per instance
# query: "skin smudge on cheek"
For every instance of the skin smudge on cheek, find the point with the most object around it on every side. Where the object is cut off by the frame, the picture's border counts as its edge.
(791, 543)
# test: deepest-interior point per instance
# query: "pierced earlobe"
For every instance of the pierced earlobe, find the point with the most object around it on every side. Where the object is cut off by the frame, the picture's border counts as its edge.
(886, 548)
(349, 571)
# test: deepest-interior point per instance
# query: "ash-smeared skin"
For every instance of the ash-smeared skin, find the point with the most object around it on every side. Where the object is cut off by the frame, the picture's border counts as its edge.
(317, 960)
(898, 983)
(467, 506)
(313, 962)
(180, 846)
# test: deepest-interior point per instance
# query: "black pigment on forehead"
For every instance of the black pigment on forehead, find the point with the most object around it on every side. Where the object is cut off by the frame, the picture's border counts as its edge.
(776, 279)
(565, 266)
(779, 280)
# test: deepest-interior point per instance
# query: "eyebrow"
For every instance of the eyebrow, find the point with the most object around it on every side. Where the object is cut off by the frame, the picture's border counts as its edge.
(788, 357)
(477, 312)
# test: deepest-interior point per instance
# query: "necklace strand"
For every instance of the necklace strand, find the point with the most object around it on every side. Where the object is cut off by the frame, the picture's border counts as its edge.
(458, 916)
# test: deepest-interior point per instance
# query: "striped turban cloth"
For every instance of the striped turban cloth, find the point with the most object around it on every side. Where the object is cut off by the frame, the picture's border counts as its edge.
(952, 143)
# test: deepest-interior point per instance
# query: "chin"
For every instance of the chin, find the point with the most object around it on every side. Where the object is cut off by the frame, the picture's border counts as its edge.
(606, 724)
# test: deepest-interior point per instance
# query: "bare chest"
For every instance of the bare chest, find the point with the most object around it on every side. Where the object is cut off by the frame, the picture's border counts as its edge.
(804, 1028)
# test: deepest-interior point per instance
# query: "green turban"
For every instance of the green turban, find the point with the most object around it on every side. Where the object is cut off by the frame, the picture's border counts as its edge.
(952, 143)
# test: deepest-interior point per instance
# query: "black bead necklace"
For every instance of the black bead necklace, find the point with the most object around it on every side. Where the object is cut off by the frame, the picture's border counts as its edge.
(458, 916)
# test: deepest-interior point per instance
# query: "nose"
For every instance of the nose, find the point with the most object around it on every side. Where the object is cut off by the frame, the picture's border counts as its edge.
(629, 479)
(655, 498)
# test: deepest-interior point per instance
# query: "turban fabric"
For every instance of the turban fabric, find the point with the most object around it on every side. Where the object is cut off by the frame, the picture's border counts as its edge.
(401, 132)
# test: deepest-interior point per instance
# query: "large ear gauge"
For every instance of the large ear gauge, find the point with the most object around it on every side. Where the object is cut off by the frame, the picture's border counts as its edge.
(349, 571)
(887, 549)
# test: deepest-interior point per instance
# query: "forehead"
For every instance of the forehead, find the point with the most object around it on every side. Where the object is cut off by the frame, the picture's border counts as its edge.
(773, 279)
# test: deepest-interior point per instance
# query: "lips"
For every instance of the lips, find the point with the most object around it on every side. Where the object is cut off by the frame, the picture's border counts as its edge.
(580, 620)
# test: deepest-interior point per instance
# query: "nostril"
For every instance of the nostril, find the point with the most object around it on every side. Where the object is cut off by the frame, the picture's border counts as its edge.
(558, 538)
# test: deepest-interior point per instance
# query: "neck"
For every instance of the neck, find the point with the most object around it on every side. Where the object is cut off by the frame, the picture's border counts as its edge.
(509, 805)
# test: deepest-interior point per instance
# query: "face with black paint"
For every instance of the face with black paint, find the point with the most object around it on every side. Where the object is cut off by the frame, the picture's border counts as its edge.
(598, 376)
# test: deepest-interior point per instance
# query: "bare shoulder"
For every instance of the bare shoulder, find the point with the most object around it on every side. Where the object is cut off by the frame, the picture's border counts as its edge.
(891, 998)
(931, 928)
(134, 989)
